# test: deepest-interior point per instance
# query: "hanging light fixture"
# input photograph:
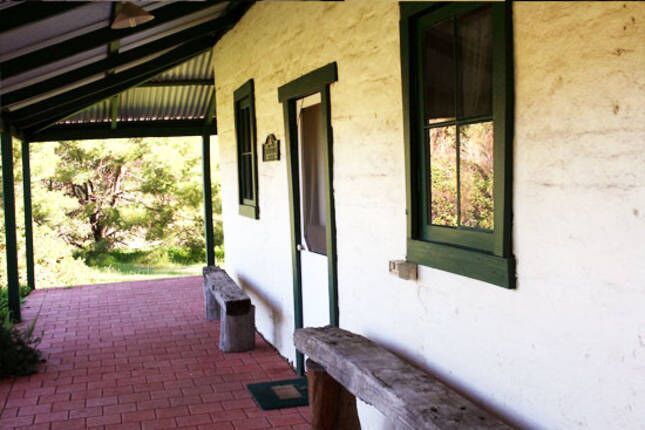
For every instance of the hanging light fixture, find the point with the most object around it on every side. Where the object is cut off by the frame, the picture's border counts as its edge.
(130, 15)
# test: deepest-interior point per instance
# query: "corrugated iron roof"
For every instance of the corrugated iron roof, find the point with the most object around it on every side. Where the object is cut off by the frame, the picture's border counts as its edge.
(200, 67)
(171, 101)
(63, 67)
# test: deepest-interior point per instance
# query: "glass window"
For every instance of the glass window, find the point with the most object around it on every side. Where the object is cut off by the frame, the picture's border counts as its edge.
(246, 150)
(314, 205)
(457, 83)
(457, 78)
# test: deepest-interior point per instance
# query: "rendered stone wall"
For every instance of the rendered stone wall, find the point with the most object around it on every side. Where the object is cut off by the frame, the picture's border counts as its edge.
(564, 350)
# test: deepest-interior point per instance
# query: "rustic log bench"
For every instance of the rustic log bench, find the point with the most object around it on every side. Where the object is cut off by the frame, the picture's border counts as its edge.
(223, 299)
(408, 396)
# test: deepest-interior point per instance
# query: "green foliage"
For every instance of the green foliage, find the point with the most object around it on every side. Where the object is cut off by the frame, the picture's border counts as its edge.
(475, 172)
(19, 355)
(111, 197)
(4, 300)
(128, 190)
(443, 176)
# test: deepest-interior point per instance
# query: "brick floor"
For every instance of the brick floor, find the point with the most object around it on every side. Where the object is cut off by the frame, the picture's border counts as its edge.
(139, 355)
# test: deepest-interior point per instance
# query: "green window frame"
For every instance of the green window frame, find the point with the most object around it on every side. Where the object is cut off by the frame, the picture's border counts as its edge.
(483, 254)
(247, 159)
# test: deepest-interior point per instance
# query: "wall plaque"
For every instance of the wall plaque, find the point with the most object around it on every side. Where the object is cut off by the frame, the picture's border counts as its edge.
(271, 148)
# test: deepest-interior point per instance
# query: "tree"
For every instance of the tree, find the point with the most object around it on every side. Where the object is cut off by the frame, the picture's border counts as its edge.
(129, 191)
(123, 196)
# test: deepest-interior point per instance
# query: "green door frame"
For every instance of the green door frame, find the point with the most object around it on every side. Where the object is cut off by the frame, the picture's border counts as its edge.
(317, 81)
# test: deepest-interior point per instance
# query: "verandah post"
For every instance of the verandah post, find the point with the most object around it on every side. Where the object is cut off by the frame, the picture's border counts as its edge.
(208, 200)
(29, 233)
(10, 222)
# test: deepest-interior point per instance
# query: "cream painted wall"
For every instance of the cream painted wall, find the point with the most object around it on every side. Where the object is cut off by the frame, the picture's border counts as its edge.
(564, 350)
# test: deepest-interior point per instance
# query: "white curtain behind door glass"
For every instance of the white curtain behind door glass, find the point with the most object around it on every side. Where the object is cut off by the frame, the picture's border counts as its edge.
(312, 178)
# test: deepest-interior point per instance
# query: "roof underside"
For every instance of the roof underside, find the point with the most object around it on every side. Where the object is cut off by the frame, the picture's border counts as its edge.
(65, 74)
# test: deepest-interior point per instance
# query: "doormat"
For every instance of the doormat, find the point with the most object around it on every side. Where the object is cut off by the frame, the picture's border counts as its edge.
(289, 393)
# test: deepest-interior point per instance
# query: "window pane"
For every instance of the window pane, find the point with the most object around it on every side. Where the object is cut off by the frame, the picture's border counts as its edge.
(246, 129)
(439, 73)
(475, 62)
(314, 204)
(476, 174)
(247, 177)
(443, 176)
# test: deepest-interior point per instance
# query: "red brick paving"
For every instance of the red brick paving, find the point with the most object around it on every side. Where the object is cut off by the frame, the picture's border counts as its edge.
(139, 355)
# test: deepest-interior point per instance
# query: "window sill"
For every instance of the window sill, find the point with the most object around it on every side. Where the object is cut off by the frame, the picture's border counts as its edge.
(250, 211)
(489, 268)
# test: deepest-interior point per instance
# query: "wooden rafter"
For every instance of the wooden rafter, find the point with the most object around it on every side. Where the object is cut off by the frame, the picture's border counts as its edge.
(159, 128)
(25, 13)
(95, 39)
(35, 108)
(43, 114)
(122, 59)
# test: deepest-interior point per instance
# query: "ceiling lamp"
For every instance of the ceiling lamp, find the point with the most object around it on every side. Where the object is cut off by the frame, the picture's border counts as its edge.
(130, 15)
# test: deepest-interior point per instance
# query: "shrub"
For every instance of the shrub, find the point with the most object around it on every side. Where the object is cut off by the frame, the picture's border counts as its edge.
(219, 254)
(19, 355)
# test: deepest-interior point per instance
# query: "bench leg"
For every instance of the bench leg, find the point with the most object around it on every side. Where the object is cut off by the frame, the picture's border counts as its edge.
(237, 332)
(211, 308)
(332, 406)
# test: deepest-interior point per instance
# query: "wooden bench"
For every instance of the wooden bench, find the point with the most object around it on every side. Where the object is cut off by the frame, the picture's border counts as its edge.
(225, 301)
(408, 396)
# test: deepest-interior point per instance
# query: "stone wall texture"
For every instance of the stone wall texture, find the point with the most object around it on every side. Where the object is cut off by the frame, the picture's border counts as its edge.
(566, 349)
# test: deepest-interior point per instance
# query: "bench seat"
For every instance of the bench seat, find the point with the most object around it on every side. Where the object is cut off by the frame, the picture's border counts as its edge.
(408, 396)
(225, 301)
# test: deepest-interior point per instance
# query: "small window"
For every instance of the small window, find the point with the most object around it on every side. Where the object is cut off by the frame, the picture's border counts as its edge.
(246, 150)
(458, 95)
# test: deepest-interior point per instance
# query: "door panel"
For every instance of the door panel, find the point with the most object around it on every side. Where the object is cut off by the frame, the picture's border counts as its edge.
(313, 209)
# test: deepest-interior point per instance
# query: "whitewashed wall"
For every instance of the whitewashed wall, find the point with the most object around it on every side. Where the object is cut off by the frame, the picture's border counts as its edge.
(567, 348)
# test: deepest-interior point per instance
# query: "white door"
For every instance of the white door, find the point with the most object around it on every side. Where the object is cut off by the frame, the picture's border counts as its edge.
(313, 208)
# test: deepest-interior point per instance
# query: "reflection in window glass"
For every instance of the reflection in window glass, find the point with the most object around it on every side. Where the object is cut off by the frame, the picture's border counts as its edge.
(476, 62)
(476, 175)
(443, 176)
(439, 73)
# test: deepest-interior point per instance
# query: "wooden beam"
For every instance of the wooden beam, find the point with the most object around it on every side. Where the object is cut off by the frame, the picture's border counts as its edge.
(29, 12)
(122, 59)
(13, 285)
(166, 128)
(49, 111)
(95, 39)
(29, 232)
(411, 398)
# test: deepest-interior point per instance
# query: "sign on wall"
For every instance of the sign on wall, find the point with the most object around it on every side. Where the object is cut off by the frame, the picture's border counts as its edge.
(271, 148)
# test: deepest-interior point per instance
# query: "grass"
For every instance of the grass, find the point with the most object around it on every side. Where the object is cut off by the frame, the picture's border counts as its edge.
(119, 266)
(123, 272)
(134, 265)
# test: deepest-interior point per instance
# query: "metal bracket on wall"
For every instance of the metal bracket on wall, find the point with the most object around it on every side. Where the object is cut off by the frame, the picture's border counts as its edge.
(404, 269)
